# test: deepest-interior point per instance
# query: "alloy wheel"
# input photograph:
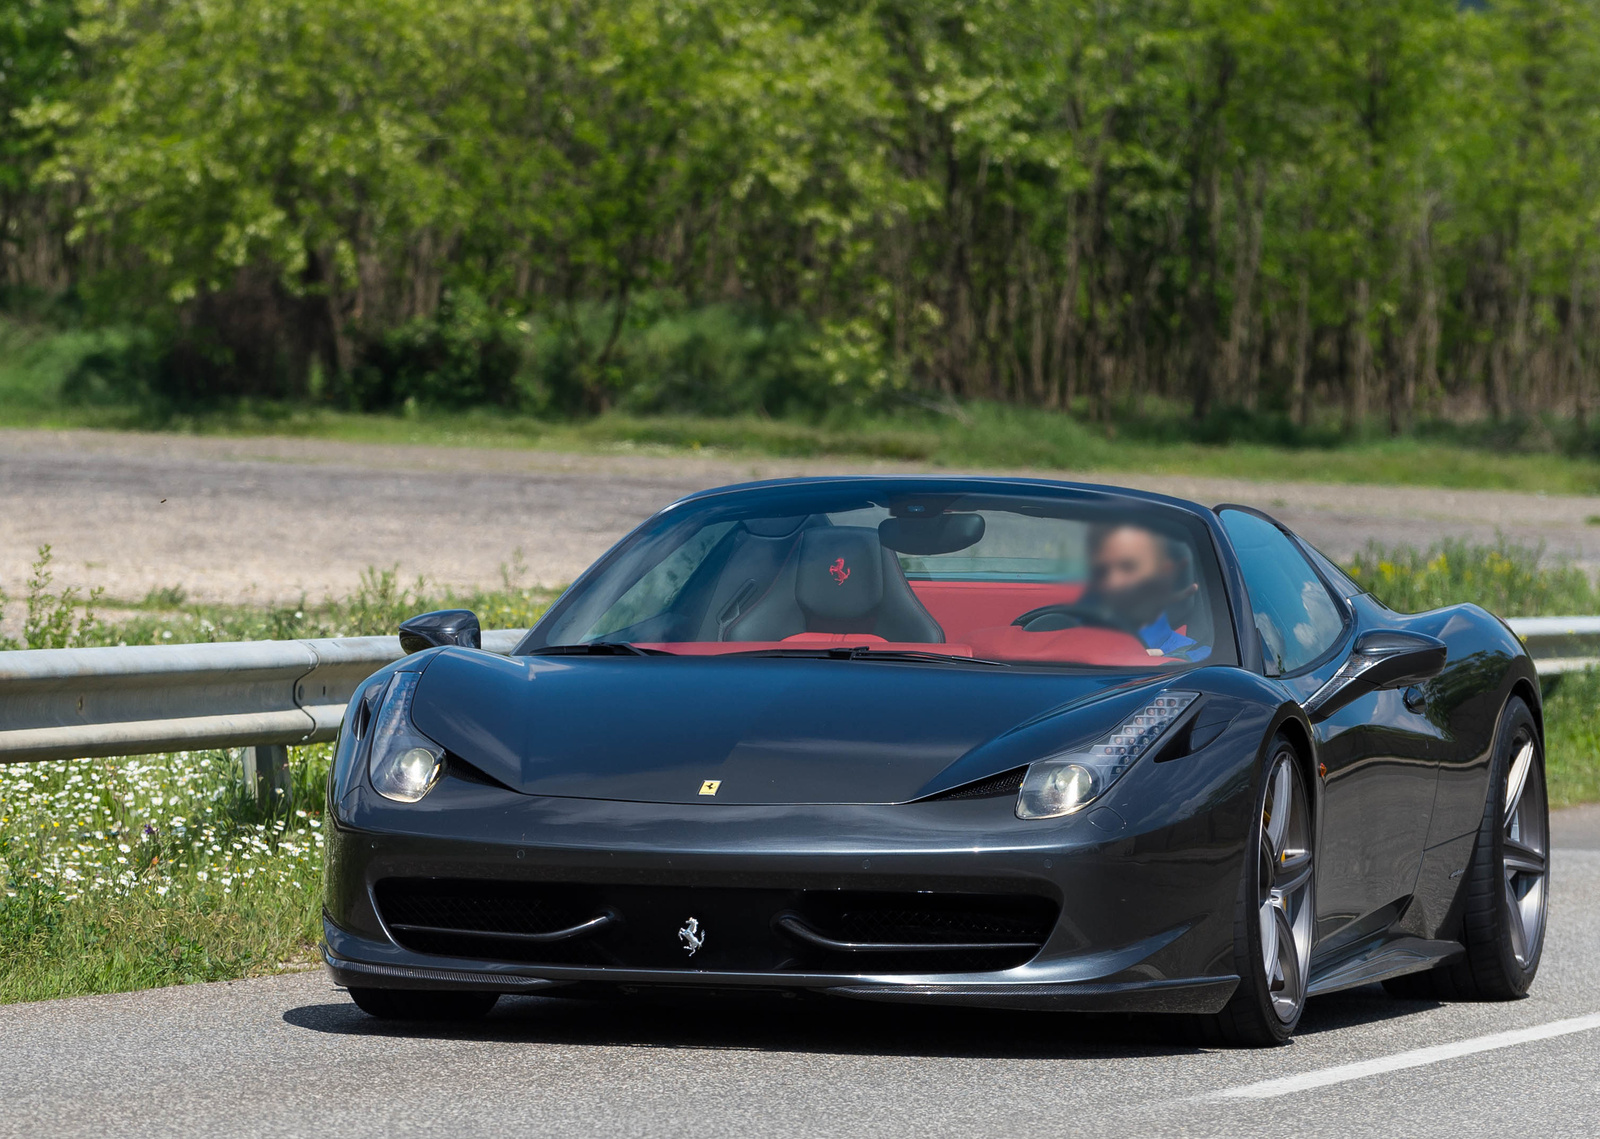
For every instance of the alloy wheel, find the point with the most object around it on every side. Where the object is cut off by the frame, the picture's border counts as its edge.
(1525, 850)
(1284, 909)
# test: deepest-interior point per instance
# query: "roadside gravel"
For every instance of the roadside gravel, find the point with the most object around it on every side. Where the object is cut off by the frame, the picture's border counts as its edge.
(274, 519)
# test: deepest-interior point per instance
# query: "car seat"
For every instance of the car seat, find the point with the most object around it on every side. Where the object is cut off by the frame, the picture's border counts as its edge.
(838, 579)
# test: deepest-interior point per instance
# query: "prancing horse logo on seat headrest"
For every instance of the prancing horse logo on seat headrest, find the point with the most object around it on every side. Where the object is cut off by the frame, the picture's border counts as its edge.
(839, 571)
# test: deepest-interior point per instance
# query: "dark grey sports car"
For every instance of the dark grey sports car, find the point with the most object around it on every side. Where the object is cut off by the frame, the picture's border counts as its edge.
(1019, 744)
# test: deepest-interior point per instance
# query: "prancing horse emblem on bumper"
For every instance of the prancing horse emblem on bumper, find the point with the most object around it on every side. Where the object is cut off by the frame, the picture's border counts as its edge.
(692, 936)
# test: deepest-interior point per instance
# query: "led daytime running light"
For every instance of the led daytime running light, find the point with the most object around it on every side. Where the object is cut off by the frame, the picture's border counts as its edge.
(1138, 732)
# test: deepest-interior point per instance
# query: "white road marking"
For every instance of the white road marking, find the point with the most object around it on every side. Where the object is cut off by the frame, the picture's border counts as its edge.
(1343, 1073)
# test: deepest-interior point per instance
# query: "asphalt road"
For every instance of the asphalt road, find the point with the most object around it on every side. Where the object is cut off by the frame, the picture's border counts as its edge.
(274, 519)
(290, 1055)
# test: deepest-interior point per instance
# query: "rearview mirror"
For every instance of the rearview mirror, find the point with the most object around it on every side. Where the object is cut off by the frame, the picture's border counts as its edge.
(441, 627)
(923, 535)
(1381, 658)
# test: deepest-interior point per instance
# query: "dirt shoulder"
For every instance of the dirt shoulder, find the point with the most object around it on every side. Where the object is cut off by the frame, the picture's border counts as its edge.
(273, 519)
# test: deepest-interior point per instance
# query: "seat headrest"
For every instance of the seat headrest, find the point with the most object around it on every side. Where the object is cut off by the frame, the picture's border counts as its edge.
(840, 572)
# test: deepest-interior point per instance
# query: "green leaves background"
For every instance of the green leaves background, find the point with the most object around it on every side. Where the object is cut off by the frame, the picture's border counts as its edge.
(1385, 208)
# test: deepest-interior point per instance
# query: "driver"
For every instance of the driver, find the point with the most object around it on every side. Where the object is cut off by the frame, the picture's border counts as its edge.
(1144, 581)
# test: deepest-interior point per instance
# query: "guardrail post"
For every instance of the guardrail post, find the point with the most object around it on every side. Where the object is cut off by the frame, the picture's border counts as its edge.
(266, 771)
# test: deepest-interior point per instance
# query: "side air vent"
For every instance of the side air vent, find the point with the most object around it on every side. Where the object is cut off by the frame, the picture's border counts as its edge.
(1006, 783)
(459, 768)
(1203, 730)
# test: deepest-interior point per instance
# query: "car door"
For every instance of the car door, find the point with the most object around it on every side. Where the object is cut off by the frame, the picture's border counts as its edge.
(1376, 781)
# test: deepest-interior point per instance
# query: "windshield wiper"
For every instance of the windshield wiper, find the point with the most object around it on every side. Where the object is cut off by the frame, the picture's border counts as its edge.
(862, 652)
(867, 652)
(598, 648)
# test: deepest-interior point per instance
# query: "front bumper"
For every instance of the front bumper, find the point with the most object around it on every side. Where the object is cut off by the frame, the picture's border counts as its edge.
(1167, 995)
(1145, 898)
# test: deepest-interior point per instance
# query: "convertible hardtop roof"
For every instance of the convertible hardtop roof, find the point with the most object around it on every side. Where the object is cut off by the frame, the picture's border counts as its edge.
(956, 484)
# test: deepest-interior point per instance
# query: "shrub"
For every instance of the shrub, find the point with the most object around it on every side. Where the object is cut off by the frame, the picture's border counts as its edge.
(1508, 579)
(54, 620)
(466, 356)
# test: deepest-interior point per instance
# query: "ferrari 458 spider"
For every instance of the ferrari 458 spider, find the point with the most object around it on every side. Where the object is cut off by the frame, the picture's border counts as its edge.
(997, 742)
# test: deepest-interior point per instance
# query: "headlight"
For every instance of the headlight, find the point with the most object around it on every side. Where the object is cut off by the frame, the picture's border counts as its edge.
(404, 763)
(1070, 781)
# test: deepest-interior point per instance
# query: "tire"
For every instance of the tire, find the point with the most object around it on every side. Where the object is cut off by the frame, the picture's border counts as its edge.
(423, 1004)
(1507, 881)
(1274, 918)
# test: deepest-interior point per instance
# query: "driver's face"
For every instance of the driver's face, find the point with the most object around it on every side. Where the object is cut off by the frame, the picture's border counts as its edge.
(1131, 565)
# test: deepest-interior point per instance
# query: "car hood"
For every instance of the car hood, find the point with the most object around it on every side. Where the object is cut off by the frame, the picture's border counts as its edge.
(767, 730)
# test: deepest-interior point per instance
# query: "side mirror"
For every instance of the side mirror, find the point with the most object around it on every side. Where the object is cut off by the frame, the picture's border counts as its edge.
(443, 627)
(1382, 658)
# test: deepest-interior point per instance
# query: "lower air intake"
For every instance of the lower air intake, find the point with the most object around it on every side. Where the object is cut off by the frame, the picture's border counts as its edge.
(736, 930)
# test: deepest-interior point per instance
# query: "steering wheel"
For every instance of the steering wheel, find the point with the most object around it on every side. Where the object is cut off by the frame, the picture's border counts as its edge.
(1075, 615)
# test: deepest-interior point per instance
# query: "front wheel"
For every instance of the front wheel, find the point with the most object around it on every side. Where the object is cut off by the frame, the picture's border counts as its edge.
(1274, 921)
(423, 1004)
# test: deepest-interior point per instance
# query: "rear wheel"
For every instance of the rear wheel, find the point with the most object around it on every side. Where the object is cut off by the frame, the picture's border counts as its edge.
(1507, 894)
(1273, 924)
(423, 1004)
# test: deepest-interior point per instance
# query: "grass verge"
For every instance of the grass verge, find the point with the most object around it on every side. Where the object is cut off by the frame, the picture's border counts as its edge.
(985, 437)
(128, 874)
(66, 618)
(975, 436)
(121, 874)
(1572, 739)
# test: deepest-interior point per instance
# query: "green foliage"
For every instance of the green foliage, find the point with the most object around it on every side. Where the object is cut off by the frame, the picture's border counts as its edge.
(36, 63)
(465, 356)
(380, 602)
(890, 422)
(1252, 210)
(1572, 739)
(55, 620)
(38, 366)
(1508, 579)
(376, 608)
(715, 360)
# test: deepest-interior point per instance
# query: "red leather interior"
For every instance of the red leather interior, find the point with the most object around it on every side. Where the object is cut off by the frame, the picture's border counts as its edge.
(962, 606)
(976, 617)
(1104, 647)
(800, 641)
(834, 639)
(1082, 645)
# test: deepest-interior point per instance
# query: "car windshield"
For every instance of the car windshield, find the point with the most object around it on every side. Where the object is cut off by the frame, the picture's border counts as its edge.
(894, 570)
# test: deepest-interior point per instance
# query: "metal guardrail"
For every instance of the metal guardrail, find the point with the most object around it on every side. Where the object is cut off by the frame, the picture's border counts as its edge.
(140, 699)
(266, 695)
(1560, 644)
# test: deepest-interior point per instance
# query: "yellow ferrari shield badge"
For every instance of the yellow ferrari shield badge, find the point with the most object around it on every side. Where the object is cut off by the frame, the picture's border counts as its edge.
(709, 787)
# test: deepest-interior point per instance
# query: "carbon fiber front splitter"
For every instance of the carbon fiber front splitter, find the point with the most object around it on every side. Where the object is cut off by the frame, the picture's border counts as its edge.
(356, 962)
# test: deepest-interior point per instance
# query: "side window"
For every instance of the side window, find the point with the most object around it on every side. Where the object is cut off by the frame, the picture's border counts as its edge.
(1331, 572)
(1295, 613)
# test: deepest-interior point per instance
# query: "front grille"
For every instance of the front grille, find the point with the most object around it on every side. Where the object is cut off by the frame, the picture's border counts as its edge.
(745, 930)
(936, 923)
(459, 918)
